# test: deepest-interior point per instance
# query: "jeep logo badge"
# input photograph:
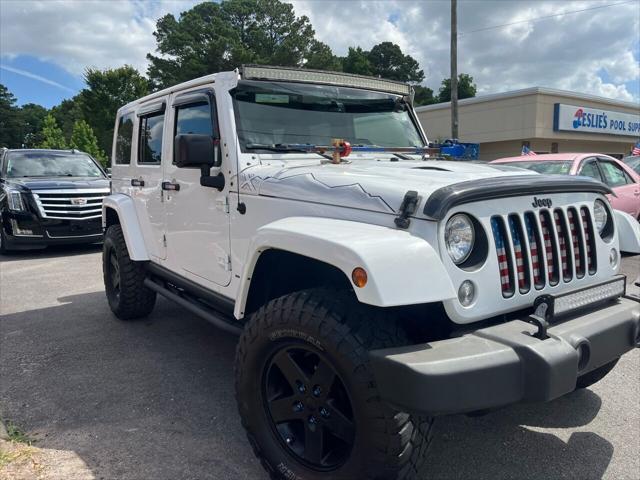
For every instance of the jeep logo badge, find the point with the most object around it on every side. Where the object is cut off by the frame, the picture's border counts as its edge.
(541, 202)
(78, 201)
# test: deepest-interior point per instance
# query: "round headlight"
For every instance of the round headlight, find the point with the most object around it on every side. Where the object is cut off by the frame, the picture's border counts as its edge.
(601, 215)
(459, 237)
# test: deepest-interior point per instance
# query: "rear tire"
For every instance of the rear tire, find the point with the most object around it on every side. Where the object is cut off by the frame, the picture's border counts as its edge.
(596, 375)
(124, 278)
(321, 338)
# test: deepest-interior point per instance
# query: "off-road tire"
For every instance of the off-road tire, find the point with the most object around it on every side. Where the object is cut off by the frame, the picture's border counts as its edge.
(132, 300)
(596, 375)
(389, 444)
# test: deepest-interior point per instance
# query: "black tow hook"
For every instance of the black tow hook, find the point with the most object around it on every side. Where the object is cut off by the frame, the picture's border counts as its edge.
(539, 319)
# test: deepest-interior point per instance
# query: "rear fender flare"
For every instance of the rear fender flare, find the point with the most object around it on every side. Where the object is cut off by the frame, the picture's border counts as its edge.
(124, 207)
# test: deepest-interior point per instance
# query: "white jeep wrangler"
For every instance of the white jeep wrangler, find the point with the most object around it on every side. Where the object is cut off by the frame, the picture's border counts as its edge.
(373, 287)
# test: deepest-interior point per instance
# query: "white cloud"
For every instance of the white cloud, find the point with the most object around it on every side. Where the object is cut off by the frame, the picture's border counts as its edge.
(80, 34)
(590, 51)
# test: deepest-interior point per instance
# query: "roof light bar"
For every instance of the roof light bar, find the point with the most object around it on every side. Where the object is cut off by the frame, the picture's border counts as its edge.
(257, 72)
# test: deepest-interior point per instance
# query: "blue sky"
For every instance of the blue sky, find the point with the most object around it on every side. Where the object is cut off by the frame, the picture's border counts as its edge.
(589, 46)
(36, 81)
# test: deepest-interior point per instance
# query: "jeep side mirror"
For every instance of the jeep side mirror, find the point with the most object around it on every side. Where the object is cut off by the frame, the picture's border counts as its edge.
(194, 150)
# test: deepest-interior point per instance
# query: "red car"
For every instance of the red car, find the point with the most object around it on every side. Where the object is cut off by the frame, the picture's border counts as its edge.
(624, 182)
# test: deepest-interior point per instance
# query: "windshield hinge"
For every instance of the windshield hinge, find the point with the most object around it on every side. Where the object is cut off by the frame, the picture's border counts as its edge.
(223, 204)
(407, 208)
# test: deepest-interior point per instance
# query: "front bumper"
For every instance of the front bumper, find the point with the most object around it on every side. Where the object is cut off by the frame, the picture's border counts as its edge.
(44, 231)
(505, 363)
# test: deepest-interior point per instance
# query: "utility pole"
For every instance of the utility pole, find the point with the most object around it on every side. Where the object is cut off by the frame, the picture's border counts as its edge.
(454, 69)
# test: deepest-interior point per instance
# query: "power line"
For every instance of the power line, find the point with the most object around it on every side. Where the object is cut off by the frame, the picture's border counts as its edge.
(545, 17)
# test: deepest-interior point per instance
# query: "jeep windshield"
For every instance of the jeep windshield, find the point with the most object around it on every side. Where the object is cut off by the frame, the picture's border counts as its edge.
(51, 164)
(276, 116)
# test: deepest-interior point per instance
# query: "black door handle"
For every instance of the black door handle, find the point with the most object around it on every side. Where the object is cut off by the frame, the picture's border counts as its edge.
(170, 186)
(135, 182)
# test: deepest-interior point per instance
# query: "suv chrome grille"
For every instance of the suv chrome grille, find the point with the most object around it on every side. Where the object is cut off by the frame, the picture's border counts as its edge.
(541, 249)
(72, 204)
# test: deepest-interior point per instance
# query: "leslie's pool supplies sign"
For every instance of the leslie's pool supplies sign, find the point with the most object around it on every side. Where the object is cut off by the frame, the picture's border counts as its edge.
(593, 120)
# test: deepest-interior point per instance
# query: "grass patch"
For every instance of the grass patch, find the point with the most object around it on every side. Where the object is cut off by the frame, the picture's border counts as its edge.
(17, 435)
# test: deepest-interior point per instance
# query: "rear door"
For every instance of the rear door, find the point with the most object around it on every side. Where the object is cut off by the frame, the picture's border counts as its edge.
(146, 182)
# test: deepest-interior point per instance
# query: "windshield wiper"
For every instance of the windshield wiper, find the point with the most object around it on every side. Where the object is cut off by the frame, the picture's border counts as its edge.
(276, 147)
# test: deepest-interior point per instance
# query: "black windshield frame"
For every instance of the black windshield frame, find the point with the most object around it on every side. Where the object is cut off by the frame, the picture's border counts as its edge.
(348, 101)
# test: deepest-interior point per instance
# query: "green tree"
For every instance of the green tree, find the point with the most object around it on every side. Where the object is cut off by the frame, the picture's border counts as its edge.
(213, 37)
(67, 113)
(52, 136)
(466, 88)
(388, 61)
(107, 91)
(320, 57)
(31, 118)
(423, 95)
(10, 135)
(84, 139)
(357, 62)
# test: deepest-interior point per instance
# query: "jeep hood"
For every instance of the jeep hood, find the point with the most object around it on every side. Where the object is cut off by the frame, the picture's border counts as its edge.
(371, 184)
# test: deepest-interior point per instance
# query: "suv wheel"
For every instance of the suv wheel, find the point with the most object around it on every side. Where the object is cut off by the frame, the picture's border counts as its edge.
(124, 279)
(307, 396)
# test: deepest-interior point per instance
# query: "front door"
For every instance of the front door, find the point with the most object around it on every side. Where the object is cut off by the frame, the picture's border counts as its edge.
(197, 222)
(627, 192)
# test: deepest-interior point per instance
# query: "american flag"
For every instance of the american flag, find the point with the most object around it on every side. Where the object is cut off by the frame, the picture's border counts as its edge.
(503, 264)
(573, 225)
(533, 245)
(636, 149)
(546, 238)
(563, 246)
(517, 249)
(527, 151)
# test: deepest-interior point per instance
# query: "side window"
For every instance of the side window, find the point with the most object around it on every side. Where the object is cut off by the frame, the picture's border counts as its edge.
(123, 139)
(614, 175)
(590, 169)
(194, 118)
(150, 139)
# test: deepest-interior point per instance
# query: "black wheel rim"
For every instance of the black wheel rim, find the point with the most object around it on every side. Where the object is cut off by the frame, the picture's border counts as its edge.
(114, 272)
(309, 407)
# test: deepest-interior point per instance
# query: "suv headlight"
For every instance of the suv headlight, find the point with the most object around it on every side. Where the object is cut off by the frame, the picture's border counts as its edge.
(459, 237)
(15, 201)
(600, 215)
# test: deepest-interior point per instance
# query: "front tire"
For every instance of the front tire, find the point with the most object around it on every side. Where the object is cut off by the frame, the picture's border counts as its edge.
(124, 278)
(308, 398)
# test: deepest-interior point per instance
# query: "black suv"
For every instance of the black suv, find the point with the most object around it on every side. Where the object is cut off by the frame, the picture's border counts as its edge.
(50, 197)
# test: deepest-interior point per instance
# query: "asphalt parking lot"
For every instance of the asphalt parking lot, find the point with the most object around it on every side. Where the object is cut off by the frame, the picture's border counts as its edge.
(155, 399)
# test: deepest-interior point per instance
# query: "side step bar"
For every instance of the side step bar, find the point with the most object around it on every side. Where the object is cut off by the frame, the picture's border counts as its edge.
(197, 308)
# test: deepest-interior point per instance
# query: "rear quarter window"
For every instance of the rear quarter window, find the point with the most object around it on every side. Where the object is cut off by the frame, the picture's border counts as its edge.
(124, 136)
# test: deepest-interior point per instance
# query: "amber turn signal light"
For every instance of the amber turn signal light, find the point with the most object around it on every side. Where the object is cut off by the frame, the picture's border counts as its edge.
(359, 277)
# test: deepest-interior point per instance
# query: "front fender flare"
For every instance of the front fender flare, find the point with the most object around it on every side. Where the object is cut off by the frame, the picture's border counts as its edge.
(628, 232)
(402, 269)
(126, 210)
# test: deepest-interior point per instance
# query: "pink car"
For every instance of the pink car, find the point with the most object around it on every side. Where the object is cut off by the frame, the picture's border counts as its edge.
(624, 182)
